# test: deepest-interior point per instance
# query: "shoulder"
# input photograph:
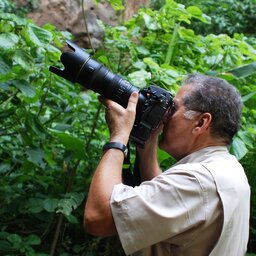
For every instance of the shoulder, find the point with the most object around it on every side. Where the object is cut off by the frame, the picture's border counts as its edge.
(195, 171)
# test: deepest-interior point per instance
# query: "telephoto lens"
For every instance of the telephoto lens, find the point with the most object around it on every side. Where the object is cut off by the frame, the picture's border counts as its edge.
(81, 68)
(153, 101)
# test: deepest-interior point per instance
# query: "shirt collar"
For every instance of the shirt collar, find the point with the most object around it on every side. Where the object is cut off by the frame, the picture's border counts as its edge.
(203, 154)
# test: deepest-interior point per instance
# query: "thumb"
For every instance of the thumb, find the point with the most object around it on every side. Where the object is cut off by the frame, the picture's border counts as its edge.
(133, 100)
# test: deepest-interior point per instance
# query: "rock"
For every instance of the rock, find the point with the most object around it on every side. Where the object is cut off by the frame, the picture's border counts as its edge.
(80, 20)
(71, 16)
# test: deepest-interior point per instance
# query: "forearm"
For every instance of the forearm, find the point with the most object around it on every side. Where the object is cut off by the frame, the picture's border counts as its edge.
(148, 162)
(98, 217)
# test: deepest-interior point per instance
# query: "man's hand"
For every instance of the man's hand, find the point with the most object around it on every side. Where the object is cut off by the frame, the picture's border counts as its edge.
(120, 120)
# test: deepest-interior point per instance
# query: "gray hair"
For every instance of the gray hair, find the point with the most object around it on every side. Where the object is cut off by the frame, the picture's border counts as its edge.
(217, 97)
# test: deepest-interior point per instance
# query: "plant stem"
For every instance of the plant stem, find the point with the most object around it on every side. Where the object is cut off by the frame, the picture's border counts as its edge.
(56, 235)
(86, 25)
(71, 178)
(94, 125)
(170, 51)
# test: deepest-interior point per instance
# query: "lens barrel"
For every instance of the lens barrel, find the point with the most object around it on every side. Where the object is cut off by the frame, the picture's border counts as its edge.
(81, 68)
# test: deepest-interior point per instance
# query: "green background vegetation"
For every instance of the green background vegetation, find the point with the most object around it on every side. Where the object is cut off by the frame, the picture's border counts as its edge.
(52, 132)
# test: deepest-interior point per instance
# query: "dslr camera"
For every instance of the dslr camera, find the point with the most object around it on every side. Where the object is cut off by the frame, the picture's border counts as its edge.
(153, 101)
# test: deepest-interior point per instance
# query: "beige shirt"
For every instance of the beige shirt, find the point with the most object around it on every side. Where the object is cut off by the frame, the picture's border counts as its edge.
(198, 207)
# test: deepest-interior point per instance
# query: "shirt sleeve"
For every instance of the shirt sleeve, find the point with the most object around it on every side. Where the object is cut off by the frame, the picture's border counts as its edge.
(157, 210)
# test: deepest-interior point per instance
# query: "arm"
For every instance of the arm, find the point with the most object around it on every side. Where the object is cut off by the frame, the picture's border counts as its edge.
(98, 218)
(148, 163)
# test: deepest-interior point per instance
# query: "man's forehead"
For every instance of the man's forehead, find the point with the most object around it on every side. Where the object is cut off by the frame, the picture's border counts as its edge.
(184, 90)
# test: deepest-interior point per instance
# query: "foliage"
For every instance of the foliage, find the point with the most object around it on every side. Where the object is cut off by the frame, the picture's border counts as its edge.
(117, 5)
(21, 9)
(51, 132)
(227, 16)
(47, 128)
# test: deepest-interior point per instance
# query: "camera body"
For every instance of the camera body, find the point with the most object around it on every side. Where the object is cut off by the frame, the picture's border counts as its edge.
(153, 101)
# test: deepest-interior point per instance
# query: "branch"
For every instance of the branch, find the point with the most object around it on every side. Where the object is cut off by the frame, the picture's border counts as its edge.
(85, 23)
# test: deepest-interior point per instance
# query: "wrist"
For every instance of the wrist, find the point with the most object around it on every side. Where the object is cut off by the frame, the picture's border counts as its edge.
(120, 138)
(116, 145)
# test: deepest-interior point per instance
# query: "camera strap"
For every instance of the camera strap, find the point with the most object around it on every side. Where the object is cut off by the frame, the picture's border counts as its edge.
(131, 176)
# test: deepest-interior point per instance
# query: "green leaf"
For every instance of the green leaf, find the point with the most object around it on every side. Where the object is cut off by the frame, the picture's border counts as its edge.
(70, 203)
(162, 155)
(194, 10)
(50, 204)
(116, 4)
(5, 246)
(4, 66)
(7, 112)
(32, 240)
(245, 70)
(71, 143)
(36, 156)
(142, 50)
(72, 219)
(13, 18)
(248, 96)
(23, 58)
(139, 78)
(38, 36)
(197, 13)
(246, 137)
(150, 23)
(238, 148)
(15, 240)
(28, 90)
(8, 41)
(4, 168)
(35, 205)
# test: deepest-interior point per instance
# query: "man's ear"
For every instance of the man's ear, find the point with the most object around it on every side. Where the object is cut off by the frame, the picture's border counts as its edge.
(203, 122)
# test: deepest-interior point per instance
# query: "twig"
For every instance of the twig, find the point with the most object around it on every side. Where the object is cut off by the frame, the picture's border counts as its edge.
(86, 25)
(56, 235)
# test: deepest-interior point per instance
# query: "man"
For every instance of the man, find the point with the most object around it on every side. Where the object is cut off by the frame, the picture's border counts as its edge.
(198, 207)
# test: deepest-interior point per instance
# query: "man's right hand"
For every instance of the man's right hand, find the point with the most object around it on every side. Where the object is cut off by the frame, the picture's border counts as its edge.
(120, 120)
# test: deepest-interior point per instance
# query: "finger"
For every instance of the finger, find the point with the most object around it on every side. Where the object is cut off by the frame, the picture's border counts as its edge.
(133, 100)
(106, 102)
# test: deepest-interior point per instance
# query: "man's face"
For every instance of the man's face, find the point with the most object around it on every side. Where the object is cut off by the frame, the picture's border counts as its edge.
(177, 137)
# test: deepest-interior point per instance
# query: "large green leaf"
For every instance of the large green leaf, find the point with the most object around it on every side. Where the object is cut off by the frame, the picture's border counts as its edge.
(245, 70)
(23, 58)
(36, 156)
(37, 35)
(71, 143)
(50, 204)
(70, 203)
(8, 41)
(28, 90)
(248, 96)
(238, 148)
(14, 19)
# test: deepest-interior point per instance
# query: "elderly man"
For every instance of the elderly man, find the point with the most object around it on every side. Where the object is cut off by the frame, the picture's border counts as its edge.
(198, 207)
